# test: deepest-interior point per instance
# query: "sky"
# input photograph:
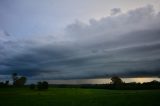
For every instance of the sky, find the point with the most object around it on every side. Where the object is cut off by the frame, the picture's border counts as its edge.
(72, 39)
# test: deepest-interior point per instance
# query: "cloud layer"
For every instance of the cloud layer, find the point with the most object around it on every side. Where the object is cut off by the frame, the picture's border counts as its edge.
(124, 43)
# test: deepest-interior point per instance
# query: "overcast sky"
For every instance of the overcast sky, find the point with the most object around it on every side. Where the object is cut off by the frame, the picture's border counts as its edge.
(66, 39)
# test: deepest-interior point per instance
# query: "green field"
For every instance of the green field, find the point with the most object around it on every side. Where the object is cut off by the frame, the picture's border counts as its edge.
(78, 97)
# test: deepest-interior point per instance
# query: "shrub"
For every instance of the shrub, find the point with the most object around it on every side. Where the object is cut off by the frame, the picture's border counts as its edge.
(42, 85)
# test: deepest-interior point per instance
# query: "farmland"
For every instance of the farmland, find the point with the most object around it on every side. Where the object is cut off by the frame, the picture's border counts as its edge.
(78, 97)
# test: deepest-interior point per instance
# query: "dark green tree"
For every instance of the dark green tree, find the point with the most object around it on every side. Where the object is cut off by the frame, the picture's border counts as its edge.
(20, 81)
(42, 85)
(116, 80)
(39, 86)
(45, 85)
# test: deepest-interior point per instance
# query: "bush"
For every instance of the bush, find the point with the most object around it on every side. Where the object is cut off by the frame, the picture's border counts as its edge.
(45, 85)
(39, 85)
(42, 85)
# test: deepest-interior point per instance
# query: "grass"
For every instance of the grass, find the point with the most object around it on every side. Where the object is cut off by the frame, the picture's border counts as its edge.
(78, 97)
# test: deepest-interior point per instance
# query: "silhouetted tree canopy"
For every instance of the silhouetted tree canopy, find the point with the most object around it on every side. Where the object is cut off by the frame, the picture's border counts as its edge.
(7, 83)
(42, 85)
(18, 81)
(45, 84)
(116, 80)
(39, 85)
(4, 84)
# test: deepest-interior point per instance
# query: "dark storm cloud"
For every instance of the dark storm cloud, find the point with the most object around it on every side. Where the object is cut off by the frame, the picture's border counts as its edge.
(124, 44)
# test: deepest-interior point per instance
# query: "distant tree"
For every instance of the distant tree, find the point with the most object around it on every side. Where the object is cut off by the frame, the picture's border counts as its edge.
(7, 83)
(154, 82)
(39, 85)
(4, 84)
(32, 86)
(116, 80)
(20, 81)
(14, 78)
(45, 85)
(42, 85)
(1, 84)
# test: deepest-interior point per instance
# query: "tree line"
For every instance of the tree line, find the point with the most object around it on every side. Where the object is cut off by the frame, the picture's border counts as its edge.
(116, 83)
(20, 81)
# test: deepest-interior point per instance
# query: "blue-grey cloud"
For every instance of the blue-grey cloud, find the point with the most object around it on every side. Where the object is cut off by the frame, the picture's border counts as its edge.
(124, 44)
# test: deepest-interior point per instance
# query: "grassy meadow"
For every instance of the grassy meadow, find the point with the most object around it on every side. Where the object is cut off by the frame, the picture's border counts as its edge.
(78, 97)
